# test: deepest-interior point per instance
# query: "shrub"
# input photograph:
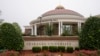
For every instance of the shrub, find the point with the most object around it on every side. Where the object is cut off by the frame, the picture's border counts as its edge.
(45, 47)
(98, 51)
(77, 48)
(17, 27)
(53, 48)
(10, 38)
(61, 48)
(70, 49)
(36, 49)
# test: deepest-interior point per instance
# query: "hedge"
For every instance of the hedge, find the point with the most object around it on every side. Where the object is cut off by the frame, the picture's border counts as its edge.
(61, 48)
(45, 48)
(77, 48)
(69, 49)
(36, 49)
(53, 48)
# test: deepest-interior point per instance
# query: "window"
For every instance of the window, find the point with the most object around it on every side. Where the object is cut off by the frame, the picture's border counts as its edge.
(68, 28)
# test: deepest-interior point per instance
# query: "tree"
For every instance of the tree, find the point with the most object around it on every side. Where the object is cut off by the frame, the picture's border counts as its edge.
(1, 20)
(90, 34)
(1, 47)
(17, 27)
(12, 40)
(49, 30)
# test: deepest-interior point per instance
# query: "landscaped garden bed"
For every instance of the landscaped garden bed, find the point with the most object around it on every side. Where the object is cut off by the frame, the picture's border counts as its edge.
(75, 53)
(10, 53)
(47, 53)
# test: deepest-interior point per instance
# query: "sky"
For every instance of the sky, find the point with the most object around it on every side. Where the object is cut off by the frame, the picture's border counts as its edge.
(24, 11)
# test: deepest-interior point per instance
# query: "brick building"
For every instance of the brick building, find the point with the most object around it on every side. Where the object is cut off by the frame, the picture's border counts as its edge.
(59, 18)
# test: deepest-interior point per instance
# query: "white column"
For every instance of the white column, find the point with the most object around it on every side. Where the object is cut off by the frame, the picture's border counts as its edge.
(31, 30)
(35, 29)
(79, 26)
(59, 25)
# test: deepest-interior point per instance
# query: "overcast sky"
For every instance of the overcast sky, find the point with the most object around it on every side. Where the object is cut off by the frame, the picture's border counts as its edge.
(24, 11)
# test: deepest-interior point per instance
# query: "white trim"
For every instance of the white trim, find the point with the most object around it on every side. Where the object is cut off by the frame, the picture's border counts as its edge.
(59, 17)
(40, 43)
(63, 16)
(71, 20)
(63, 20)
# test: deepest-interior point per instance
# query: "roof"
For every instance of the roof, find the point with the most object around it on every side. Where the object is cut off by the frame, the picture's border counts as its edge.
(61, 10)
(59, 13)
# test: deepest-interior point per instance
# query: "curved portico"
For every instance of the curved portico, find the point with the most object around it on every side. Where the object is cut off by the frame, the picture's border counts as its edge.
(59, 17)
